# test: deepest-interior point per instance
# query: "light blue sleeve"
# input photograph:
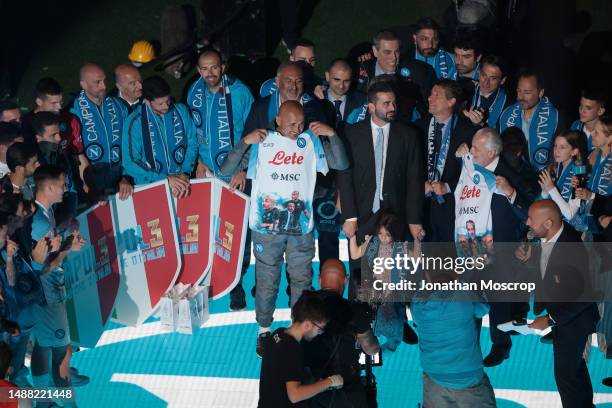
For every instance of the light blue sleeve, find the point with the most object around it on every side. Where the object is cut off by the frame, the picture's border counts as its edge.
(319, 152)
(480, 309)
(132, 152)
(252, 168)
(40, 225)
(268, 88)
(192, 141)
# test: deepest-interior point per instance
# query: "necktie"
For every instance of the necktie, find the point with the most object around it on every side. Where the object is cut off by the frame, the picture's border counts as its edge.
(378, 163)
(337, 104)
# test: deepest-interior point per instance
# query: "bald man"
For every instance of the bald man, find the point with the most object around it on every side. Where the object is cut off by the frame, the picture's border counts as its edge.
(102, 119)
(350, 106)
(563, 299)
(283, 163)
(129, 86)
(334, 350)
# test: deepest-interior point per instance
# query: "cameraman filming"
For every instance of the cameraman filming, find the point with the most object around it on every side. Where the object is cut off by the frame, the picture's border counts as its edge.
(347, 334)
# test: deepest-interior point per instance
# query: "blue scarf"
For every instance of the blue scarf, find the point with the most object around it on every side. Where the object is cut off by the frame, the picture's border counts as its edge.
(599, 182)
(436, 162)
(579, 127)
(274, 104)
(101, 132)
(564, 179)
(496, 107)
(441, 62)
(214, 123)
(358, 114)
(541, 129)
(164, 149)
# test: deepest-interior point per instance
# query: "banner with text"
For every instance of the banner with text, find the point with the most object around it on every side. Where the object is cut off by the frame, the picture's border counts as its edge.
(92, 277)
(194, 215)
(148, 250)
(230, 229)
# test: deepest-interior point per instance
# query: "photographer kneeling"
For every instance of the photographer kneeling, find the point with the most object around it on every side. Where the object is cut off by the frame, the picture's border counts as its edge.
(335, 350)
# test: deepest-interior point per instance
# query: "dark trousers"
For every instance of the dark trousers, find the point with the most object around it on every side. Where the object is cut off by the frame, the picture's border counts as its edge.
(329, 246)
(571, 373)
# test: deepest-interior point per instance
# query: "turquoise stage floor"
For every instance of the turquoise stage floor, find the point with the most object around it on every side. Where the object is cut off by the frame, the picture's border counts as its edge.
(217, 367)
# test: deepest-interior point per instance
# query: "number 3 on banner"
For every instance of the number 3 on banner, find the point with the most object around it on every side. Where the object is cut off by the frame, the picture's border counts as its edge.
(157, 240)
(193, 228)
(229, 235)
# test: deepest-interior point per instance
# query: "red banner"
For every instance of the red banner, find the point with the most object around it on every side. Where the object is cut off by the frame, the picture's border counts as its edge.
(230, 233)
(194, 216)
(92, 277)
(146, 227)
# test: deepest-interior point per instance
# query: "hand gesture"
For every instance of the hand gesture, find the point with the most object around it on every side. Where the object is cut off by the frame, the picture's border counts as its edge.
(546, 182)
(179, 186)
(11, 248)
(125, 189)
(319, 91)
(474, 115)
(349, 228)
(504, 186)
(321, 129)
(462, 150)
(203, 170)
(238, 181)
(439, 188)
(256, 136)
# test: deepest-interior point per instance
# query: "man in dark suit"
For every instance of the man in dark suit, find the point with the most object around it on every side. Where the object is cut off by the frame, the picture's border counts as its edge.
(506, 209)
(446, 130)
(386, 168)
(413, 79)
(347, 103)
(565, 294)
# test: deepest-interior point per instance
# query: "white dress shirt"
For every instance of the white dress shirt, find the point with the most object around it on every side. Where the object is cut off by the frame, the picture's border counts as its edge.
(547, 247)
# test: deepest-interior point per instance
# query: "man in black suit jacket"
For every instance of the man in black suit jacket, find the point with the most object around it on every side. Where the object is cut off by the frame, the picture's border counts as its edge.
(507, 211)
(446, 130)
(403, 169)
(345, 102)
(400, 171)
(565, 293)
(413, 79)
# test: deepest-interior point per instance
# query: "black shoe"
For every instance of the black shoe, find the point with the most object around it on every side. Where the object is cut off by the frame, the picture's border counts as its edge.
(548, 339)
(261, 339)
(607, 381)
(237, 305)
(237, 299)
(496, 357)
(410, 335)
